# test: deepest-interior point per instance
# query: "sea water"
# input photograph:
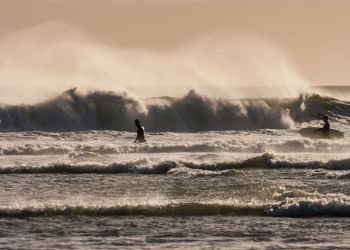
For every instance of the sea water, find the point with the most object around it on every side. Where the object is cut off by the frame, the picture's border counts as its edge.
(268, 188)
(243, 178)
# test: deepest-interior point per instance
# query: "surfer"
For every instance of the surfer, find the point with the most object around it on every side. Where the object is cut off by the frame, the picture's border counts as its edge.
(322, 133)
(326, 126)
(140, 132)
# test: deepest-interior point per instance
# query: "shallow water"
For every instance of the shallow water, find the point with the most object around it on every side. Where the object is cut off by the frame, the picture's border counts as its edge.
(244, 232)
(269, 189)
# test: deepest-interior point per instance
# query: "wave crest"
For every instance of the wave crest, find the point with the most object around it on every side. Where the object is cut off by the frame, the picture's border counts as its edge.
(159, 166)
(107, 110)
(288, 204)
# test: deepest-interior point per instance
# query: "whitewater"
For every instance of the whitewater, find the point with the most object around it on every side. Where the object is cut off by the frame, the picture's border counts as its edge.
(214, 173)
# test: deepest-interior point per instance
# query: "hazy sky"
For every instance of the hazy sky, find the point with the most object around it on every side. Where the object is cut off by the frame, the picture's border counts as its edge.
(313, 34)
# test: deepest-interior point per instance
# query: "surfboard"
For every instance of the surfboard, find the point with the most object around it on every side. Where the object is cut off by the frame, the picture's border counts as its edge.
(312, 132)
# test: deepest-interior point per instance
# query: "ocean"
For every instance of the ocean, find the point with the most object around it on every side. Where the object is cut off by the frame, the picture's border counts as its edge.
(213, 173)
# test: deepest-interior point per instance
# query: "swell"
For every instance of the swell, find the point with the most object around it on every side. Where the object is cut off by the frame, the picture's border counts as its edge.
(303, 205)
(191, 113)
(157, 166)
(182, 209)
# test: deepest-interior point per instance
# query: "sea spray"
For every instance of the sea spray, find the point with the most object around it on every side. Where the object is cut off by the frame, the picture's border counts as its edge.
(190, 113)
(218, 65)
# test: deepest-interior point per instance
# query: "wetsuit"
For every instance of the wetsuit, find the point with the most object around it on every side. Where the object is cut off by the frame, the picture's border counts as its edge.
(325, 129)
(326, 126)
(140, 134)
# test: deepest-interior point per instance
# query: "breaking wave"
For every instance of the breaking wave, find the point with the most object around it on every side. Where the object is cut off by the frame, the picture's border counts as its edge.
(157, 166)
(288, 204)
(332, 174)
(303, 204)
(182, 209)
(192, 113)
(234, 144)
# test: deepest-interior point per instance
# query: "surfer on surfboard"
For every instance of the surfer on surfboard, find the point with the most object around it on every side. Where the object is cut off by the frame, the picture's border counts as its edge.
(326, 127)
(321, 133)
(140, 132)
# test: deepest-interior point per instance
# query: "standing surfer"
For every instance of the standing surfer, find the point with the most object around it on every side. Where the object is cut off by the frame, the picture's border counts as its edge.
(140, 132)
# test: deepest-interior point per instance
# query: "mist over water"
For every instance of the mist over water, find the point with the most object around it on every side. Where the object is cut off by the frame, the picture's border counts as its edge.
(223, 152)
(65, 80)
(42, 61)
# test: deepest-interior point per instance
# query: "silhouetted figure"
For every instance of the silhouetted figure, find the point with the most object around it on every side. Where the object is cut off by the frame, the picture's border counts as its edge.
(326, 126)
(140, 132)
